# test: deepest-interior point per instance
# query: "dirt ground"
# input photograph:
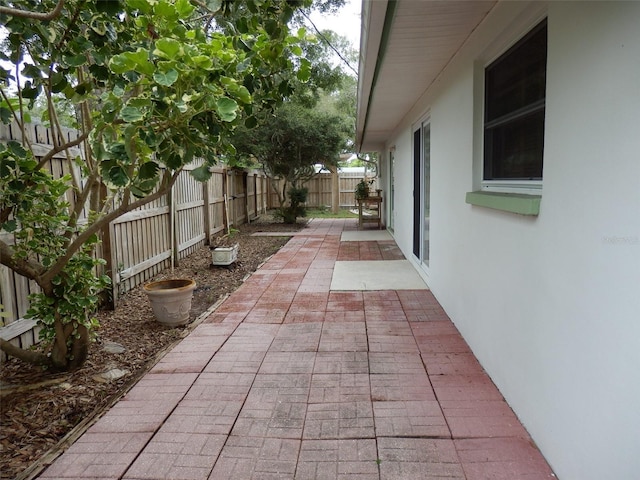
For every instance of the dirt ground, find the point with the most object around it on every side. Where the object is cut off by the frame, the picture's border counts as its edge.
(38, 410)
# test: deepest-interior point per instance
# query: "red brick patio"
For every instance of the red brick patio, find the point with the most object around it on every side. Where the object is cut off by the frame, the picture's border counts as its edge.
(289, 380)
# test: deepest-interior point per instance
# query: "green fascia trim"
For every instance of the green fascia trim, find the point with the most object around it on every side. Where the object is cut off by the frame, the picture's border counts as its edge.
(508, 202)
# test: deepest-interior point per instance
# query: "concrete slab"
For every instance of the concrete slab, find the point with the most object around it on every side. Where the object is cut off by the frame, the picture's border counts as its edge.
(376, 275)
(365, 236)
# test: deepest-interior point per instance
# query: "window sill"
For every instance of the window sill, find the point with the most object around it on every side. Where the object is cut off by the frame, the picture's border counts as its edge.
(508, 202)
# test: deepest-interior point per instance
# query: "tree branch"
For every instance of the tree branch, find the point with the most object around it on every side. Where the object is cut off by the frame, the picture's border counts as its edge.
(28, 356)
(15, 12)
(96, 226)
(80, 201)
(26, 268)
(60, 148)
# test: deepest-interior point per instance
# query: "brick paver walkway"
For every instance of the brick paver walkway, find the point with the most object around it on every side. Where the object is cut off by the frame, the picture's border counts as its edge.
(288, 380)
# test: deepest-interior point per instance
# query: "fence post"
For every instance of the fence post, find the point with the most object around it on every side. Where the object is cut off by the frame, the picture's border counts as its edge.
(335, 190)
(245, 187)
(231, 197)
(172, 227)
(205, 212)
(225, 206)
(264, 182)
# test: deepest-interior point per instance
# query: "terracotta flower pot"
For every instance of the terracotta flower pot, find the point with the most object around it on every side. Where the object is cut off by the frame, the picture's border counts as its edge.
(171, 300)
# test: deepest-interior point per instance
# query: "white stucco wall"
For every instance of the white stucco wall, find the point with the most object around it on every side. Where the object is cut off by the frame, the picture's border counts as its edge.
(549, 304)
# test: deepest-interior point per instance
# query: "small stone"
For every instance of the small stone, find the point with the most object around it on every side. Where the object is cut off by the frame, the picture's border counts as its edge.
(113, 347)
(110, 375)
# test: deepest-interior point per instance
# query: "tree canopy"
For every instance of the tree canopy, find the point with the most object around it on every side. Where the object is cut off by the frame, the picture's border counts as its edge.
(156, 85)
(313, 126)
(291, 142)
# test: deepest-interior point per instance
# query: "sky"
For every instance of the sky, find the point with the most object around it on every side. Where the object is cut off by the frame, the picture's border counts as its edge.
(346, 23)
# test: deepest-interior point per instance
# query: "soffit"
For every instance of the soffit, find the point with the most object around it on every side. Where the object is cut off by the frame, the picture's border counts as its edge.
(423, 38)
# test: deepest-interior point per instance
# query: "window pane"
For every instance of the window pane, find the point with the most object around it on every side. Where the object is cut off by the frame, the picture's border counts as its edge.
(518, 78)
(515, 90)
(516, 149)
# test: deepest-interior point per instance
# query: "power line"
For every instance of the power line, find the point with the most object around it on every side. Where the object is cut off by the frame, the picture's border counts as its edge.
(330, 44)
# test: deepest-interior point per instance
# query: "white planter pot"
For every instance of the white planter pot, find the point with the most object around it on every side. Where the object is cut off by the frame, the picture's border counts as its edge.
(224, 255)
(171, 300)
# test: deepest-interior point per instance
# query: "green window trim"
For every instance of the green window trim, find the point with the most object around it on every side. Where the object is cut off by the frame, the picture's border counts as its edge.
(508, 202)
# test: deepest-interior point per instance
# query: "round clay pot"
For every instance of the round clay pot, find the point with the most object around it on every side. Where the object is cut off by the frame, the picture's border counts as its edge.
(171, 300)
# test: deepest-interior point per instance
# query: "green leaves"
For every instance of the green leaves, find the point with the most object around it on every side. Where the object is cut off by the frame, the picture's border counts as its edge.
(168, 48)
(137, 61)
(166, 10)
(166, 79)
(202, 61)
(140, 60)
(184, 8)
(227, 109)
(214, 5)
(30, 91)
(201, 173)
(121, 64)
(7, 107)
(10, 226)
(304, 72)
(74, 60)
(148, 170)
(18, 151)
(131, 114)
(143, 6)
(232, 86)
(242, 94)
(118, 176)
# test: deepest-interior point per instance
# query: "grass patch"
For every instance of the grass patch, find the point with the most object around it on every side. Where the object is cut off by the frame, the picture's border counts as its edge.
(326, 213)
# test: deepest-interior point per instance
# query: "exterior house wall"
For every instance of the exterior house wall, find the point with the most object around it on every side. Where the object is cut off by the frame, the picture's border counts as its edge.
(549, 304)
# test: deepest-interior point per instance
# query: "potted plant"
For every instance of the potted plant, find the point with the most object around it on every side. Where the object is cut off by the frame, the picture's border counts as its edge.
(171, 300)
(224, 249)
(362, 189)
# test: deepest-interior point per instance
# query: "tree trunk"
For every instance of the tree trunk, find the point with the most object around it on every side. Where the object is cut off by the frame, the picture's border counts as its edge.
(68, 352)
(70, 349)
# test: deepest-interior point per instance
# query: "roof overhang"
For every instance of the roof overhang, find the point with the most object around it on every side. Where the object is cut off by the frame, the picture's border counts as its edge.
(404, 46)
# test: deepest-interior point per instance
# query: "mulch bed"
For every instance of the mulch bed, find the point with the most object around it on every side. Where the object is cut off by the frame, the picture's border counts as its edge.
(38, 409)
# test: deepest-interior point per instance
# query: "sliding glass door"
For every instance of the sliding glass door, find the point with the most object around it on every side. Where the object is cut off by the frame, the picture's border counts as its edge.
(392, 192)
(421, 190)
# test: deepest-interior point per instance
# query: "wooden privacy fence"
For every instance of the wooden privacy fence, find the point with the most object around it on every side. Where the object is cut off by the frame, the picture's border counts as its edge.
(138, 245)
(141, 243)
(141, 240)
(320, 189)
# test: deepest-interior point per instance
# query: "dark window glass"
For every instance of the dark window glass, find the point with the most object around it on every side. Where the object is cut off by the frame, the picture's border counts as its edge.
(515, 86)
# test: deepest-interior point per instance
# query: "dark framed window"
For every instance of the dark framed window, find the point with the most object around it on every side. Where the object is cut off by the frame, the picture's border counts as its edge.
(515, 90)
